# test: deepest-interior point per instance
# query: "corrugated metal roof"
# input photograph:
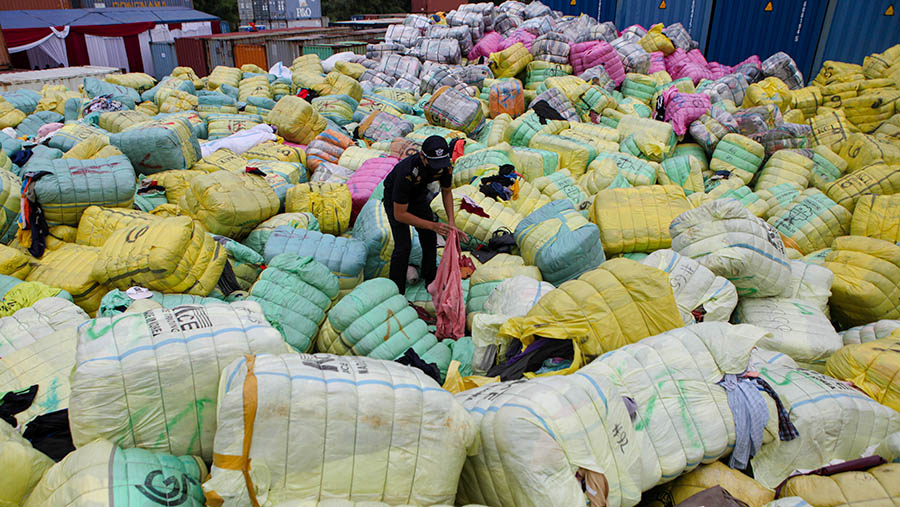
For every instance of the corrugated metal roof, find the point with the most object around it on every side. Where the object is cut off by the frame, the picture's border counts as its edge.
(83, 17)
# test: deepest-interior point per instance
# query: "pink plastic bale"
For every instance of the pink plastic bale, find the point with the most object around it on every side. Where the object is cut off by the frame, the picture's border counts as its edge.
(718, 70)
(697, 57)
(489, 44)
(684, 108)
(523, 36)
(363, 182)
(603, 53)
(679, 64)
(657, 62)
(576, 55)
(753, 60)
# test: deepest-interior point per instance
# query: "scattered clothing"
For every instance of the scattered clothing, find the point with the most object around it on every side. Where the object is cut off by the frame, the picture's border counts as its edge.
(50, 434)
(411, 358)
(14, 402)
(750, 418)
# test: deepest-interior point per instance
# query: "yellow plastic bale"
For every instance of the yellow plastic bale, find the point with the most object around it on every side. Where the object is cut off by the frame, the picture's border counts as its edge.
(876, 64)
(171, 255)
(573, 87)
(13, 262)
(68, 267)
(831, 128)
(95, 146)
(510, 61)
(770, 90)
(55, 100)
(655, 139)
(876, 486)
(338, 84)
(873, 367)
(861, 150)
(296, 120)
(602, 174)
(573, 155)
(9, 115)
(98, 223)
(45, 363)
(866, 280)
(23, 466)
(270, 150)
(717, 473)
(149, 108)
(870, 111)
(223, 75)
(137, 80)
(877, 216)
(807, 100)
(222, 159)
(656, 41)
(738, 155)
(878, 179)
(330, 203)
(230, 204)
(350, 69)
(478, 227)
(786, 166)
(832, 71)
(187, 74)
(637, 219)
(685, 171)
(310, 61)
(620, 302)
(176, 182)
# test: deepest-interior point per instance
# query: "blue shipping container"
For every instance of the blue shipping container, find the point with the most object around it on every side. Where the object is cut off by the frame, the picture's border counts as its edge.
(854, 30)
(164, 58)
(741, 28)
(693, 14)
(303, 9)
(603, 10)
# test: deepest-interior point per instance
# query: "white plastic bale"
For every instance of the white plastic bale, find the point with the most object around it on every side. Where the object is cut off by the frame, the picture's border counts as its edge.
(440, 50)
(695, 287)
(401, 34)
(149, 379)
(460, 33)
(869, 332)
(513, 297)
(334, 427)
(33, 323)
(397, 65)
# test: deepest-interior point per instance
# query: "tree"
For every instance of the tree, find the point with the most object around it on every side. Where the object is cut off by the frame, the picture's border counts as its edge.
(226, 10)
(342, 10)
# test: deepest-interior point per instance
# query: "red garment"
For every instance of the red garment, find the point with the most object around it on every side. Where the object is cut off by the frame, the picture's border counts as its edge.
(446, 292)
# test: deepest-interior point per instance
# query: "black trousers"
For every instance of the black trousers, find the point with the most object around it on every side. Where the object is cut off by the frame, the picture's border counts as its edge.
(403, 245)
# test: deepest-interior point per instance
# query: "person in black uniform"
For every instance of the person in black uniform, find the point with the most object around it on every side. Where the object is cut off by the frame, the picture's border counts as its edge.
(406, 204)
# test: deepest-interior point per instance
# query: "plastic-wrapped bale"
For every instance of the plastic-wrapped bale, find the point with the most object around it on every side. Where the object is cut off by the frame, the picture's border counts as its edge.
(440, 49)
(103, 473)
(770, 90)
(364, 180)
(10, 200)
(345, 257)
(634, 57)
(737, 155)
(71, 134)
(292, 466)
(701, 295)
(294, 293)
(23, 100)
(281, 176)
(159, 415)
(116, 302)
(376, 321)
(786, 166)
(373, 229)
(331, 174)
(684, 108)
(639, 87)
(69, 186)
(172, 255)
(33, 323)
(635, 171)
(861, 150)
(574, 154)
(737, 484)
(733, 189)
(874, 485)
(551, 47)
(585, 55)
(561, 185)
(507, 97)
(223, 125)
(866, 277)
(877, 179)
(230, 204)
(581, 422)
(796, 319)
(23, 466)
(729, 240)
(452, 109)
(645, 138)
(782, 66)
(478, 228)
(855, 422)
(118, 121)
(685, 171)
(490, 274)
(14, 263)
(98, 223)
(510, 61)
(159, 146)
(591, 310)
(93, 87)
(224, 75)
(869, 332)
(296, 120)
(337, 108)
(877, 216)
(560, 242)
(382, 126)
(402, 34)
(257, 238)
(69, 268)
(559, 102)
(637, 219)
(812, 221)
(330, 203)
(539, 71)
(9, 115)
(870, 366)
(32, 123)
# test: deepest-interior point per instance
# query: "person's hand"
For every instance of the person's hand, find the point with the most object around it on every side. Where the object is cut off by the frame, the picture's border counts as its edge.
(441, 228)
(463, 237)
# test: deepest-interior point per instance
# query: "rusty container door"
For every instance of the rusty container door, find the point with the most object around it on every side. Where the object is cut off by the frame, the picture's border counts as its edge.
(250, 53)
(189, 52)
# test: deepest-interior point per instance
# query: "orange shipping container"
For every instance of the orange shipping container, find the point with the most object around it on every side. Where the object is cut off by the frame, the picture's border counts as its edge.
(250, 53)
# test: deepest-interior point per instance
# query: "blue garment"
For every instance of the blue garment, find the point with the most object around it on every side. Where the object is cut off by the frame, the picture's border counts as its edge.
(750, 418)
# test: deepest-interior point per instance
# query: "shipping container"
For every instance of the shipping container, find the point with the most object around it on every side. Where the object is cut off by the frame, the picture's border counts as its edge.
(92, 4)
(276, 9)
(260, 9)
(841, 40)
(604, 10)
(191, 52)
(250, 54)
(694, 15)
(308, 23)
(283, 50)
(219, 52)
(277, 23)
(5, 62)
(303, 9)
(431, 6)
(165, 58)
(741, 28)
(17, 5)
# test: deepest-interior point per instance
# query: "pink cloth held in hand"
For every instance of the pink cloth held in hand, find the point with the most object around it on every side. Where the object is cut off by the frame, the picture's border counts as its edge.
(446, 292)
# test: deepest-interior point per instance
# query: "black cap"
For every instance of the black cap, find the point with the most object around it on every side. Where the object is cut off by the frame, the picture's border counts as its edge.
(437, 152)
